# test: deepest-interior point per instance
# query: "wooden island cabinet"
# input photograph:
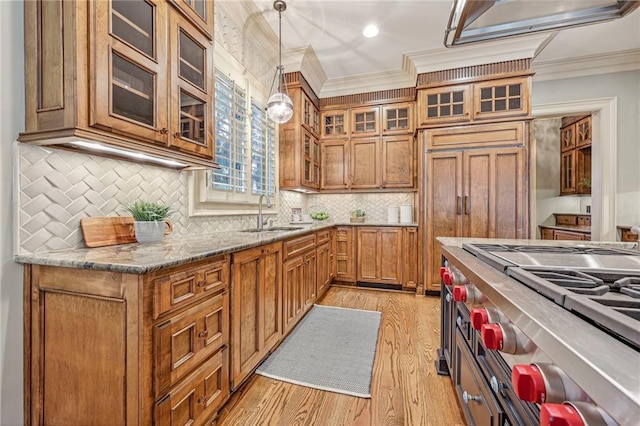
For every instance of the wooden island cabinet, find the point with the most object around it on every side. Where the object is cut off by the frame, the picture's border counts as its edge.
(137, 349)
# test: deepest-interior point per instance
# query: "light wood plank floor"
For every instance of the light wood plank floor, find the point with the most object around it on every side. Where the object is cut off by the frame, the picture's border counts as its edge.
(405, 387)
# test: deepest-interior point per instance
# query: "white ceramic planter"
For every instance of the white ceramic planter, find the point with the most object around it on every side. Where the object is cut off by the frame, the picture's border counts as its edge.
(151, 232)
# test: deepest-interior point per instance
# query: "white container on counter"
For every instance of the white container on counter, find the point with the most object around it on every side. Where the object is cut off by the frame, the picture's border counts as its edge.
(392, 214)
(406, 213)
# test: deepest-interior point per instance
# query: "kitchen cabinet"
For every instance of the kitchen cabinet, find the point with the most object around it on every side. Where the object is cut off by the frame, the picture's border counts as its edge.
(163, 359)
(479, 101)
(368, 163)
(398, 118)
(345, 254)
(410, 258)
(138, 76)
(379, 255)
(334, 124)
(626, 235)
(324, 261)
(299, 279)
(256, 310)
(299, 141)
(334, 165)
(365, 121)
(575, 156)
(559, 234)
(475, 192)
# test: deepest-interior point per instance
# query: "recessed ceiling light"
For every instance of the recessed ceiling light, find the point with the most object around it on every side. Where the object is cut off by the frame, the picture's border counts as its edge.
(370, 31)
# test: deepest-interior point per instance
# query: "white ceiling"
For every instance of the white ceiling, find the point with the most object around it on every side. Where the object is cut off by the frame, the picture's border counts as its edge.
(333, 29)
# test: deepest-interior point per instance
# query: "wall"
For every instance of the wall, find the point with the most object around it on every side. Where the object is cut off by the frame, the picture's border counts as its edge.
(375, 206)
(625, 86)
(11, 122)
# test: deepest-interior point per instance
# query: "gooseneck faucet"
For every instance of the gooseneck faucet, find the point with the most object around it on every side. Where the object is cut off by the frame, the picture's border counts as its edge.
(260, 220)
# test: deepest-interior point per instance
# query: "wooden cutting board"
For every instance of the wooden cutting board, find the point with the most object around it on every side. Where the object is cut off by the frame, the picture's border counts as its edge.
(107, 231)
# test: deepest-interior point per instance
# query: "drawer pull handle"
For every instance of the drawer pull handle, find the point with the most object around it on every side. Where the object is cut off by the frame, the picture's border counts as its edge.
(203, 334)
(466, 397)
(201, 400)
(201, 283)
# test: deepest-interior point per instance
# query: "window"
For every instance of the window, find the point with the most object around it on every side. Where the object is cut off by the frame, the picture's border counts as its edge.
(245, 146)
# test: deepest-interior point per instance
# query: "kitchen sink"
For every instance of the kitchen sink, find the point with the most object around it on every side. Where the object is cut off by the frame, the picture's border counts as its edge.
(273, 229)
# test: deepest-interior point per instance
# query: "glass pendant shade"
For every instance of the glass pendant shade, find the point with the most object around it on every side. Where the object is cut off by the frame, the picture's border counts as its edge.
(280, 108)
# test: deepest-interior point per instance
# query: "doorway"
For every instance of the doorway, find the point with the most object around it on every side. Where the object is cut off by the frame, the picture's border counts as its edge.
(603, 168)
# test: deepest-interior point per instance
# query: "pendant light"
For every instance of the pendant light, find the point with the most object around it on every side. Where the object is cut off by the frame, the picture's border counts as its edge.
(279, 105)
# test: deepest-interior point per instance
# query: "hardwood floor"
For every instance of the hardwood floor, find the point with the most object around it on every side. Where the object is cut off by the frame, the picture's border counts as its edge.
(405, 388)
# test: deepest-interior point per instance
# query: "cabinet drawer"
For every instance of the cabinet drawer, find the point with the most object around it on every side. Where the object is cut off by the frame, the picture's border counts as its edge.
(584, 220)
(627, 235)
(182, 285)
(196, 400)
(566, 219)
(184, 341)
(299, 245)
(323, 236)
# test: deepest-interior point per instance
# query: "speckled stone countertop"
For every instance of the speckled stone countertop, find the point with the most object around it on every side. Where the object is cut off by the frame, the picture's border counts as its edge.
(457, 242)
(140, 259)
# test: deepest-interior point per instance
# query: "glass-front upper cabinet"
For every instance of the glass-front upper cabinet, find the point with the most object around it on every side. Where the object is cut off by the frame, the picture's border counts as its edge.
(365, 121)
(501, 98)
(192, 85)
(131, 57)
(334, 124)
(397, 118)
(200, 12)
(311, 160)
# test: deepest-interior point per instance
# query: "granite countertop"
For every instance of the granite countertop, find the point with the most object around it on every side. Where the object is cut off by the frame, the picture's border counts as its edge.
(573, 228)
(458, 241)
(175, 250)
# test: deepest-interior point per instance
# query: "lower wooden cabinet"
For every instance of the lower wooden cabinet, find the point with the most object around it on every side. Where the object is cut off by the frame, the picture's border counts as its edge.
(323, 268)
(299, 280)
(256, 310)
(379, 255)
(101, 347)
(410, 258)
(345, 254)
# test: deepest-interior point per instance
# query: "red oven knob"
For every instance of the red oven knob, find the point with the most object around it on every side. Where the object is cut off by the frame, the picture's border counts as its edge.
(479, 316)
(492, 336)
(460, 293)
(447, 278)
(559, 415)
(528, 383)
(443, 269)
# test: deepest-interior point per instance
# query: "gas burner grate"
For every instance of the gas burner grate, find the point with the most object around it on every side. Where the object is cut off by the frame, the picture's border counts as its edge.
(502, 248)
(629, 286)
(575, 281)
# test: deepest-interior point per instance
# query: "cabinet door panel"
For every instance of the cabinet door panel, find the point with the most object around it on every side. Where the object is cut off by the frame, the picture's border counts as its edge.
(128, 92)
(509, 201)
(397, 162)
(476, 202)
(199, 11)
(293, 275)
(410, 258)
(390, 255)
(323, 268)
(345, 256)
(368, 255)
(272, 299)
(335, 165)
(309, 284)
(365, 163)
(444, 207)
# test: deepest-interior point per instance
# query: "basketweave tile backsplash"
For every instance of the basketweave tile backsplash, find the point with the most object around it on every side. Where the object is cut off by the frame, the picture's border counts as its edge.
(57, 188)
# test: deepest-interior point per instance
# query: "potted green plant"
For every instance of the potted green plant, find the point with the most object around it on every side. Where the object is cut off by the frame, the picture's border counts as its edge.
(151, 221)
(357, 215)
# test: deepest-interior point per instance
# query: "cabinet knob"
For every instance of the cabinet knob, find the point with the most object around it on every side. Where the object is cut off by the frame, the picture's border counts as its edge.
(177, 135)
(163, 131)
(466, 397)
(203, 334)
(201, 400)
(200, 283)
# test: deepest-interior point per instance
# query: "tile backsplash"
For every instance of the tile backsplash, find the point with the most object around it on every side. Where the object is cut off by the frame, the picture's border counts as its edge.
(57, 188)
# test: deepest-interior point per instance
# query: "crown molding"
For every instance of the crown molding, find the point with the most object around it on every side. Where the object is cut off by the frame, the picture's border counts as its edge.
(479, 54)
(305, 60)
(367, 83)
(627, 60)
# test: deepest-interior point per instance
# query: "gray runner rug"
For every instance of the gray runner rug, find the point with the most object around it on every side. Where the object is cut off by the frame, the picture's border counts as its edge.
(331, 349)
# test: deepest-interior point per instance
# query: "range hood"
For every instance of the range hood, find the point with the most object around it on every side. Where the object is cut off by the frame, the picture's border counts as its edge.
(473, 21)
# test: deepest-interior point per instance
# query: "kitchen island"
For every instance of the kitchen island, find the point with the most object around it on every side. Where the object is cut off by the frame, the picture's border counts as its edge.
(502, 312)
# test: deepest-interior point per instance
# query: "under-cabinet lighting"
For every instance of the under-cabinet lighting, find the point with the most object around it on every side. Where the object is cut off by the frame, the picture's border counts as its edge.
(126, 153)
(370, 31)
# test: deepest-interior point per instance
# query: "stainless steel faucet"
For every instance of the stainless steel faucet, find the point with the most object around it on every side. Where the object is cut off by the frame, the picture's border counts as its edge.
(261, 221)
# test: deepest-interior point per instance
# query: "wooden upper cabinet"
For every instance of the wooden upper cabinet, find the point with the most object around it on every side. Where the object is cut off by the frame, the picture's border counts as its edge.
(200, 12)
(335, 164)
(575, 156)
(129, 93)
(334, 124)
(568, 137)
(501, 98)
(299, 145)
(191, 88)
(365, 163)
(398, 162)
(365, 121)
(397, 118)
(130, 74)
(583, 132)
(443, 105)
